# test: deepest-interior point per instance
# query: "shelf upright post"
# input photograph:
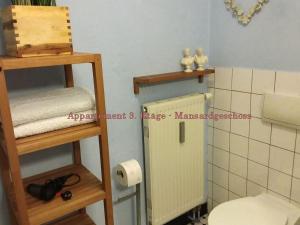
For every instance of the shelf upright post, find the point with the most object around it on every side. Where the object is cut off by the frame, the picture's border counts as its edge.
(103, 139)
(69, 80)
(14, 172)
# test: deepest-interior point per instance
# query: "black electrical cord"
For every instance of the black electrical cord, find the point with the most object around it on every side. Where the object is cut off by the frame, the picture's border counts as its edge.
(48, 191)
(74, 183)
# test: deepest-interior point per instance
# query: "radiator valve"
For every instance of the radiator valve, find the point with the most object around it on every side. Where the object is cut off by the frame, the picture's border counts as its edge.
(208, 96)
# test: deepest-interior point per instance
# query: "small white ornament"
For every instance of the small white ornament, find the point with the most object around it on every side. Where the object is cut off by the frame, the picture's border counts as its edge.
(240, 11)
(187, 60)
(245, 20)
(200, 59)
(258, 7)
(243, 17)
(252, 11)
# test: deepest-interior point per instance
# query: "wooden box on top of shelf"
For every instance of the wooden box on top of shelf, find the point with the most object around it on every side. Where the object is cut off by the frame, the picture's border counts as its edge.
(37, 30)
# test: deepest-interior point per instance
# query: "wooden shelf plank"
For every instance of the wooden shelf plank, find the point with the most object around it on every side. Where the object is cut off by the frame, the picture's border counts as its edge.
(55, 138)
(12, 63)
(77, 219)
(87, 192)
(168, 77)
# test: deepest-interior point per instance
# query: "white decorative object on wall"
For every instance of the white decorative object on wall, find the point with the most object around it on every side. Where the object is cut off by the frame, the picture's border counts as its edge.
(187, 60)
(200, 59)
(242, 16)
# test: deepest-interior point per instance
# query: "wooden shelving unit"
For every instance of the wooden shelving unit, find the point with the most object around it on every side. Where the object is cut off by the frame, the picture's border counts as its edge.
(168, 77)
(26, 210)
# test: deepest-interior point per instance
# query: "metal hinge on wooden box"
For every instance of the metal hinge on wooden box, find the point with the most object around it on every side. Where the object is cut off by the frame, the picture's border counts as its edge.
(26, 210)
(37, 31)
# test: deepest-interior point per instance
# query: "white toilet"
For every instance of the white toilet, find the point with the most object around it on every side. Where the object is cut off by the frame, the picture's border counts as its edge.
(264, 209)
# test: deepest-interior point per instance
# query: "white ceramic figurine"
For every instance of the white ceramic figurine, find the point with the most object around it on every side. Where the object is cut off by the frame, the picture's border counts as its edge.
(200, 59)
(187, 60)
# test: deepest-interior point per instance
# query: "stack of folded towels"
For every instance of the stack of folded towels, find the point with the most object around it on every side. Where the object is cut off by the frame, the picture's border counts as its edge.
(42, 111)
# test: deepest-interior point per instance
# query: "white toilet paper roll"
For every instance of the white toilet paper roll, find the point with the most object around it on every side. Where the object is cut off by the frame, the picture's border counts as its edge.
(129, 173)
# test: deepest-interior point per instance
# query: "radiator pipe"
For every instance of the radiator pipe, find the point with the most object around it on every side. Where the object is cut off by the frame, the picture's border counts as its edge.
(136, 194)
(138, 205)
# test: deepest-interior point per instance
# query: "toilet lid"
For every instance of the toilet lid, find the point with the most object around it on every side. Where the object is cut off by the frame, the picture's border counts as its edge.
(246, 211)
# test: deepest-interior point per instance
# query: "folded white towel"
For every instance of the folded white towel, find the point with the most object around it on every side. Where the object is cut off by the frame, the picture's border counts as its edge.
(51, 124)
(42, 105)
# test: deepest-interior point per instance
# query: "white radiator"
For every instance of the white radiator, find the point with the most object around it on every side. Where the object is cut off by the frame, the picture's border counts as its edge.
(174, 157)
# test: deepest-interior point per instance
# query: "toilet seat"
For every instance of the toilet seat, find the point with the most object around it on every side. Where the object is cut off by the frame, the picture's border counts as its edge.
(246, 211)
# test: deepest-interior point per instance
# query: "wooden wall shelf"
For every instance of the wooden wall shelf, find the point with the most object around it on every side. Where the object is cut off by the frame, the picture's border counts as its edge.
(168, 77)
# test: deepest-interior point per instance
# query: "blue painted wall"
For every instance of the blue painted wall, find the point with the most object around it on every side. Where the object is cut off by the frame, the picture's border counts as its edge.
(134, 37)
(145, 37)
(270, 41)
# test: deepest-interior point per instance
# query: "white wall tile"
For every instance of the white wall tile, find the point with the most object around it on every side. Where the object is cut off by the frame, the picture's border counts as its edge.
(283, 137)
(240, 102)
(210, 122)
(211, 80)
(296, 190)
(256, 105)
(223, 77)
(237, 185)
(209, 205)
(233, 196)
(281, 160)
(239, 145)
(259, 152)
(254, 165)
(297, 166)
(297, 204)
(238, 165)
(221, 139)
(215, 204)
(288, 83)
(298, 142)
(254, 189)
(284, 198)
(241, 80)
(209, 171)
(220, 177)
(240, 126)
(211, 102)
(280, 182)
(222, 99)
(220, 194)
(210, 189)
(260, 130)
(209, 153)
(221, 158)
(263, 81)
(258, 173)
(223, 124)
(210, 135)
